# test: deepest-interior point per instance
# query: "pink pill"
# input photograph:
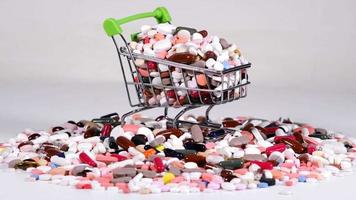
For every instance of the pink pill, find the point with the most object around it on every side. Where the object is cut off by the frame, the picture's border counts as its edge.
(106, 159)
(131, 128)
(210, 145)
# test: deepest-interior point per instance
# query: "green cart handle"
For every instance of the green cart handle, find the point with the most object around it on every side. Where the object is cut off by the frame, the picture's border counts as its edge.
(113, 26)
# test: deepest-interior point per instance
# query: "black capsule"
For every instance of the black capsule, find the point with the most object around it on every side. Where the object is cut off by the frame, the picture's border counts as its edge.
(173, 153)
(195, 146)
(139, 139)
(112, 143)
(269, 181)
(147, 147)
(72, 122)
(80, 124)
(33, 136)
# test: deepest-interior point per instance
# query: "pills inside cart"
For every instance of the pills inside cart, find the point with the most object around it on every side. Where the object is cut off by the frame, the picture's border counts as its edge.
(140, 158)
(170, 85)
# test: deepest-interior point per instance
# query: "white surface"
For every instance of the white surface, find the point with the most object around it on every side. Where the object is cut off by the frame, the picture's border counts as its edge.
(61, 66)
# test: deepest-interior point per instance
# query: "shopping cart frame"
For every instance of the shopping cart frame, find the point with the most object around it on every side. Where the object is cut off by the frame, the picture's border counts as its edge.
(113, 29)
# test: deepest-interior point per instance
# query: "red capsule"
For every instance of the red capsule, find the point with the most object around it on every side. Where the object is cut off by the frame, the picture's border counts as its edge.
(270, 130)
(106, 130)
(278, 147)
(311, 148)
(277, 139)
(263, 165)
(171, 94)
(151, 65)
(146, 40)
(157, 161)
(86, 159)
(118, 156)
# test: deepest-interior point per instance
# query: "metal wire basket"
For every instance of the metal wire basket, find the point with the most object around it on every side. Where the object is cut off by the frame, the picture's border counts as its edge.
(232, 82)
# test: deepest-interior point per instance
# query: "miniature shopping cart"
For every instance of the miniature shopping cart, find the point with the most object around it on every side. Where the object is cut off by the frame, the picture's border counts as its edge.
(234, 80)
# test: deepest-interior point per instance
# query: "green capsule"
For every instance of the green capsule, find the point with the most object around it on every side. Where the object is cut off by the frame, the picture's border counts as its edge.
(232, 164)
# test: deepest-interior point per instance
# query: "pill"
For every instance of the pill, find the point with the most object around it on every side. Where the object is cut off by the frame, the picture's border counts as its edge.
(124, 142)
(185, 58)
(86, 159)
(231, 164)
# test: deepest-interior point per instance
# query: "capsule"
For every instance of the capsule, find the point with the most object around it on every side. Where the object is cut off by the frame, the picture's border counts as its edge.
(230, 123)
(124, 142)
(157, 161)
(112, 143)
(173, 153)
(118, 156)
(216, 133)
(183, 57)
(200, 160)
(263, 165)
(139, 139)
(231, 164)
(106, 130)
(296, 146)
(195, 146)
(33, 136)
(169, 132)
(91, 132)
(277, 147)
(86, 159)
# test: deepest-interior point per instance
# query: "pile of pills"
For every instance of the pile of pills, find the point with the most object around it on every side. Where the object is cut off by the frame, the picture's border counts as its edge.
(145, 156)
(187, 46)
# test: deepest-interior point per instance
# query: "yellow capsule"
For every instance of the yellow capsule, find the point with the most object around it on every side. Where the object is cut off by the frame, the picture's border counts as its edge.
(168, 177)
(159, 147)
(42, 162)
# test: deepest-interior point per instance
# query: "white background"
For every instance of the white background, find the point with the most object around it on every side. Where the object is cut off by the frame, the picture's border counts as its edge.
(56, 64)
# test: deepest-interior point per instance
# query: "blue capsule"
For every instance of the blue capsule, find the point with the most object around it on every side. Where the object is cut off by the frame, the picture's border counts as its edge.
(262, 185)
(216, 133)
(302, 179)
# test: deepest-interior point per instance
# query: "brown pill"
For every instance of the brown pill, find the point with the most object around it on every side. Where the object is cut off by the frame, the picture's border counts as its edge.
(78, 169)
(227, 175)
(147, 173)
(124, 142)
(124, 179)
(64, 147)
(183, 57)
(124, 171)
(210, 54)
(13, 163)
(230, 123)
(200, 160)
(171, 131)
(248, 127)
(254, 157)
(298, 136)
(197, 133)
(224, 43)
(295, 145)
(204, 33)
(238, 141)
(91, 132)
(304, 158)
